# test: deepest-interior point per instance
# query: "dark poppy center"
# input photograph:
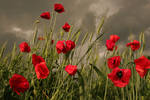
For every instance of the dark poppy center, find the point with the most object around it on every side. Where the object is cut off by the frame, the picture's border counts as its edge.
(114, 61)
(119, 74)
(59, 9)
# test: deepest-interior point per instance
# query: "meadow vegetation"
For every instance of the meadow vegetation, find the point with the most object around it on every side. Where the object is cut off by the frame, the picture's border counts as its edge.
(89, 82)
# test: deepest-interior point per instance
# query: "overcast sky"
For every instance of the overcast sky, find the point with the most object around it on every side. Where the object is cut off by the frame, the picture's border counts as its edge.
(123, 17)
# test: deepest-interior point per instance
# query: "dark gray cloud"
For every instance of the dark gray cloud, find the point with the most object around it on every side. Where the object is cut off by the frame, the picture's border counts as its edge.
(22, 13)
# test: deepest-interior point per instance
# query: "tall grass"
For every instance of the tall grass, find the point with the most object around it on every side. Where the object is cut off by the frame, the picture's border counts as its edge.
(89, 83)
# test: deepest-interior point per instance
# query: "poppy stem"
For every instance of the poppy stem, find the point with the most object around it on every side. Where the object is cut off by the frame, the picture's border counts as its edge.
(133, 84)
(136, 86)
(53, 26)
(51, 20)
(106, 89)
(57, 91)
(35, 25)
(122, 89)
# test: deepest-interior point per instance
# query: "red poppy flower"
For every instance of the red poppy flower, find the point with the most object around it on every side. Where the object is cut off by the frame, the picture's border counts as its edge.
(70, 45)
(61, 47)
(41, 70)
(66, 27)
(45, 15)
(114, 38)
(71, 69)
(41, 38)
(120, 77)
(110, 45)
(24, 47)
(135, 45)
(52, 41)
(142, 64)
(37, 59)
(18, 83)
(59, 8)
(113, 62)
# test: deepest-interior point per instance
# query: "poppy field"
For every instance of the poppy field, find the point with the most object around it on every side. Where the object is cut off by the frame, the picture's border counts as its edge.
(66, 65)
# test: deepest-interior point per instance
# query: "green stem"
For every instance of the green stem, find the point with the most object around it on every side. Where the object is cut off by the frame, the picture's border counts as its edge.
(122, 89)
(137, 86)
(57, 91)
(106, 89)
(133, 84)
(53, 26)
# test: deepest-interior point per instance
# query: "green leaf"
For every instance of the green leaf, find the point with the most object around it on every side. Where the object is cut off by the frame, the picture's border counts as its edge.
(148, 57)
(100, 25)
(3, 49)
(99, 73)
(81, 80)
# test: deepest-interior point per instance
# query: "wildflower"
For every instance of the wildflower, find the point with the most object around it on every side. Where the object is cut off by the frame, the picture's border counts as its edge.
(71, 69)
(45, 15)
(24, 47)
(52, 41)
(135, 45)
(110, 45)
(41, 70)
(41, 38)
(37, 59)
(59, 8)
(64, 46)
(113, 62)
(142, 65)
(66, 27)
(61, 47)
(120, 77)
(69, 45)
(19, 84)
(114, 38)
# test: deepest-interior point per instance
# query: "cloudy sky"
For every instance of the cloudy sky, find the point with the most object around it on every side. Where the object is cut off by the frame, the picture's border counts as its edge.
(123, 17)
